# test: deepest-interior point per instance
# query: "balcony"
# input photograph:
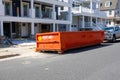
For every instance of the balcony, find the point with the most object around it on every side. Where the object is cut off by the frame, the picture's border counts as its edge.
(86, 0)
(117, 15)
(63, 16)
(87, 11)
(99, 13)
(63, 1)
(47, 14)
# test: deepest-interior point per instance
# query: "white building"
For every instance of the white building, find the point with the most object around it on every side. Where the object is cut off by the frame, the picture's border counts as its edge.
(87, 14)
(25, 18)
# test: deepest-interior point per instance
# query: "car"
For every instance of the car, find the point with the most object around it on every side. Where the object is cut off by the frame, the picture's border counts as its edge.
(112, 33)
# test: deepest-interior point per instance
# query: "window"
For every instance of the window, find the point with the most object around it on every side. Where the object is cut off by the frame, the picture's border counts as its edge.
(116, 28)
(7, 8)
(110, 12)
(75, 4)
(62, 8)
(37, 11)
(48, 12)
(108, 4)
(109, 22)
(100, 4)
(25, 10)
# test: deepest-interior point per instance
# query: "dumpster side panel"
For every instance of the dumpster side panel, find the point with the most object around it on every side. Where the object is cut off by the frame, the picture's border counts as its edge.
(48, 41)
(71, 40)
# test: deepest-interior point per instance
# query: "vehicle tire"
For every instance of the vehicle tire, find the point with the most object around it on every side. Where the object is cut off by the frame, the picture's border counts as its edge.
(114, 38)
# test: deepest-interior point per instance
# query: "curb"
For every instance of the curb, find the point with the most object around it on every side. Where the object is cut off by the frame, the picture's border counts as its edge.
(10, 55)
(16, 56)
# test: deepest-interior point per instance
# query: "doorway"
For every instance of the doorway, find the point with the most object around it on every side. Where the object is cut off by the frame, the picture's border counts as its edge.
(7, 31)
(45, 28)
(24, 30)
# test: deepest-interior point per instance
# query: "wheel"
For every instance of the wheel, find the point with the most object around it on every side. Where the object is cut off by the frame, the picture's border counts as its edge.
(114, 39)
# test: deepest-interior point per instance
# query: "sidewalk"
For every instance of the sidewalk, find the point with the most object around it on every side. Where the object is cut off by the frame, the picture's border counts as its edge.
(22, 48)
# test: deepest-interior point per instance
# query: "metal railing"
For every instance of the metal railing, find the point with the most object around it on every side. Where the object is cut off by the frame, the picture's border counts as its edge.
(63, 1)
(46, 14)
(81, 9)
(95, 27)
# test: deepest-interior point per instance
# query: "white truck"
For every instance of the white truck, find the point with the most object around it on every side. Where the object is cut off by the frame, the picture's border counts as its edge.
(112, 33)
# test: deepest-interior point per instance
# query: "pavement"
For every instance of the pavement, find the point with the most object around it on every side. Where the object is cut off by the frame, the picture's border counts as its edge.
(21, 48)
(90, 63)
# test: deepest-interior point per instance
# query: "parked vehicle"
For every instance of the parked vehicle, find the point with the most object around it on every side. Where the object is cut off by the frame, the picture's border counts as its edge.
(62, 41)
(112, 33)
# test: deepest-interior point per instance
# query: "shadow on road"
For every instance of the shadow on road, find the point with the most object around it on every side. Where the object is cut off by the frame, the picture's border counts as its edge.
(105, 44)
(78, 50)
(83, 49)
(7, 56)
(117, 41)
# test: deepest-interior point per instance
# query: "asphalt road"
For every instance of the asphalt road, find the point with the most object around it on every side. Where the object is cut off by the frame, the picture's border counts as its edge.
(90, 63)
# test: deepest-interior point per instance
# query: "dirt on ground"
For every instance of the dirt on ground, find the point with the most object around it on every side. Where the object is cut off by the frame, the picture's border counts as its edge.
(16, 50)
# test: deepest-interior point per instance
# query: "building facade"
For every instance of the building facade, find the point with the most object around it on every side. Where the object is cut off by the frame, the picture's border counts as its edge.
(87, 14)
(112, 9)
(25, 18)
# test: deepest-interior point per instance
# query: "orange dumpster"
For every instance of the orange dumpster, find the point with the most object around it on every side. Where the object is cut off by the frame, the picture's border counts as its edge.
(62, 41)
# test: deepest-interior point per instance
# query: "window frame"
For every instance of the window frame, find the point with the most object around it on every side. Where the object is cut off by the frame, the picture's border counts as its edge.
(25, 4)
(110, 12)
(38, 15)
(107, 3)
(10, 7)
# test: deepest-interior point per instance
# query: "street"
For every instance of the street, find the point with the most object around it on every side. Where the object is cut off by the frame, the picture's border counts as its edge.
(101, 62)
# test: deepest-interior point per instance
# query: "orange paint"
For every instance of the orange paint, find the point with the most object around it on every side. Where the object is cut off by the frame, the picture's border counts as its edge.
(62, 41)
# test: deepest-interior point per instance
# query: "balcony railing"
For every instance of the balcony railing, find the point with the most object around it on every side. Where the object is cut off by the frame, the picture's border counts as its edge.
(47, 14)
(85, 0)
(81, 10)
(85, 10)
(63, 0)
(99, 13)
(31, 13)
(118, 15)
